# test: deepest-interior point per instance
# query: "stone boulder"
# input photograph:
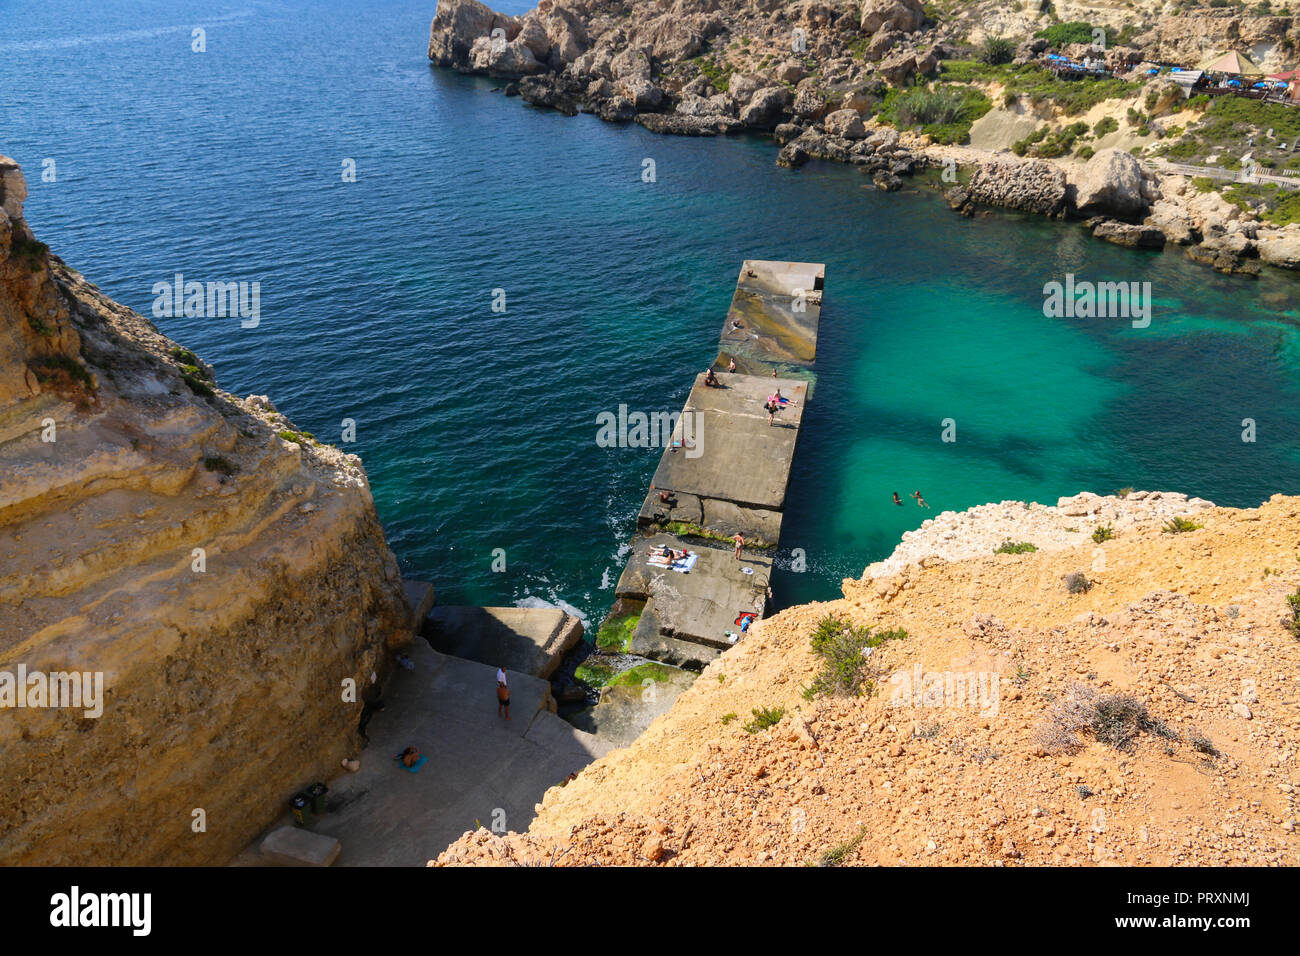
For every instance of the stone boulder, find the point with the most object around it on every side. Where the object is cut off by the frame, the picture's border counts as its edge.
(1127, 234)
(882, 43)
(458, 25)
(713, 106)
(533, 35)
(743, 86)
(671, 38)
(846, 124)
(677, 124)
(791, 71)
(1110, 184)
(767, 107)
(904, 15)
(645, 96)
(511, 60)
(1031, 185)
(793, 155)
(1281, 251)
(898, 69)
(1233, 254)
(567, 35)
(886, 180)
(1172, 220)
(630, 64)
(808, 104)
(786, 132)
(549, 93)
(617, 109)
(13, 188)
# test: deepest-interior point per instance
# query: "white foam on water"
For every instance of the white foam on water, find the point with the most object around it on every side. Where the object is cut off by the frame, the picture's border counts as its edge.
(565, 606)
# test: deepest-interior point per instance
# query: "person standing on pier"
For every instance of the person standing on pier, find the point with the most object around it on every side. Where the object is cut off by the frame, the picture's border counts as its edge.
(731, 366)
(771, 407)
(503, 694)
(740, 544)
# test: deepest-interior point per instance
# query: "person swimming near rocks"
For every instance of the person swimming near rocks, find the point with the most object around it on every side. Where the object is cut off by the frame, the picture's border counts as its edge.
(897, 500)
(919, 500)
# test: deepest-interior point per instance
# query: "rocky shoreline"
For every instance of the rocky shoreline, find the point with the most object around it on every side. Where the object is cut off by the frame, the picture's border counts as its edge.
(644, 63)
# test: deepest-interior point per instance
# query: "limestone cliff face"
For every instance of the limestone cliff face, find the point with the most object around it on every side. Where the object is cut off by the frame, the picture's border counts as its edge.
(225, 580)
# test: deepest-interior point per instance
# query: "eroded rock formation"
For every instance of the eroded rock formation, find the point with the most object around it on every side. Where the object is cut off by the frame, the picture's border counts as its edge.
(225, 574)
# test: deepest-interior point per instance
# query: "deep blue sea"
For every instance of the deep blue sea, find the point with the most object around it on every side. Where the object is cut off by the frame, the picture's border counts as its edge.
(477, 426)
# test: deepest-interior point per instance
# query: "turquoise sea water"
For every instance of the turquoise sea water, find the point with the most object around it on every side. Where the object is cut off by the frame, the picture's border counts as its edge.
(478, 427)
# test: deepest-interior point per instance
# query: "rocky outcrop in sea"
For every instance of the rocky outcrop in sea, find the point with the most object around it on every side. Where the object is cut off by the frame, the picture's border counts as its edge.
(812, 75)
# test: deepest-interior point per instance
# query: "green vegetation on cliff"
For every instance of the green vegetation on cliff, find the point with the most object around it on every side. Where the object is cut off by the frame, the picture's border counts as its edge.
(944, 112)
(1039, 85)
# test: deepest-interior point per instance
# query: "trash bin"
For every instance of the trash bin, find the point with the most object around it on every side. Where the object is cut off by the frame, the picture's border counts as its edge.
(316, 793)
(298, 802)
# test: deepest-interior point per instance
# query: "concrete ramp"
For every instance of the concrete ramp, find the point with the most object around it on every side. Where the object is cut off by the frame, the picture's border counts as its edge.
(558, 735)
(481, 769)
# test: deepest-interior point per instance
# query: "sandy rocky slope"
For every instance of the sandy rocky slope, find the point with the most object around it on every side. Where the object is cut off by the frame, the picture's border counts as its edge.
(1192, 625)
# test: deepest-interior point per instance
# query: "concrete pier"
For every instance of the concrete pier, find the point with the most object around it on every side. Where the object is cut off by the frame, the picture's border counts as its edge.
(773, 319)
(727, 471)
(735, 477)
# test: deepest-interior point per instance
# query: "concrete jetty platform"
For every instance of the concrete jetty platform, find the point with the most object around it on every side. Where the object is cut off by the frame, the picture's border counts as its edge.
(687, 616)
(734, 475)
(524, 639)
(734, 478)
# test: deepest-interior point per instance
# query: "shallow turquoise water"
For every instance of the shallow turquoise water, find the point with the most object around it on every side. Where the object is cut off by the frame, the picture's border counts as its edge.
(478, 427)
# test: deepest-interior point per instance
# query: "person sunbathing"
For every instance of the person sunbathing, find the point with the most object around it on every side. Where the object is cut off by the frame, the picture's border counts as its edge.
(710, 379)
(408, 757)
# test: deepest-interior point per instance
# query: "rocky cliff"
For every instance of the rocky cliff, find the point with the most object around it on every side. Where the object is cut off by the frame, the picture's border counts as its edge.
(1120, 693)
(817, 77)
(225, 574)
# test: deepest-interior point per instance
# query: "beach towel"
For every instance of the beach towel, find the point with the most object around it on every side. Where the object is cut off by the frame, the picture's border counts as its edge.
(415, 767)
(745, 619)
(685, 564)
